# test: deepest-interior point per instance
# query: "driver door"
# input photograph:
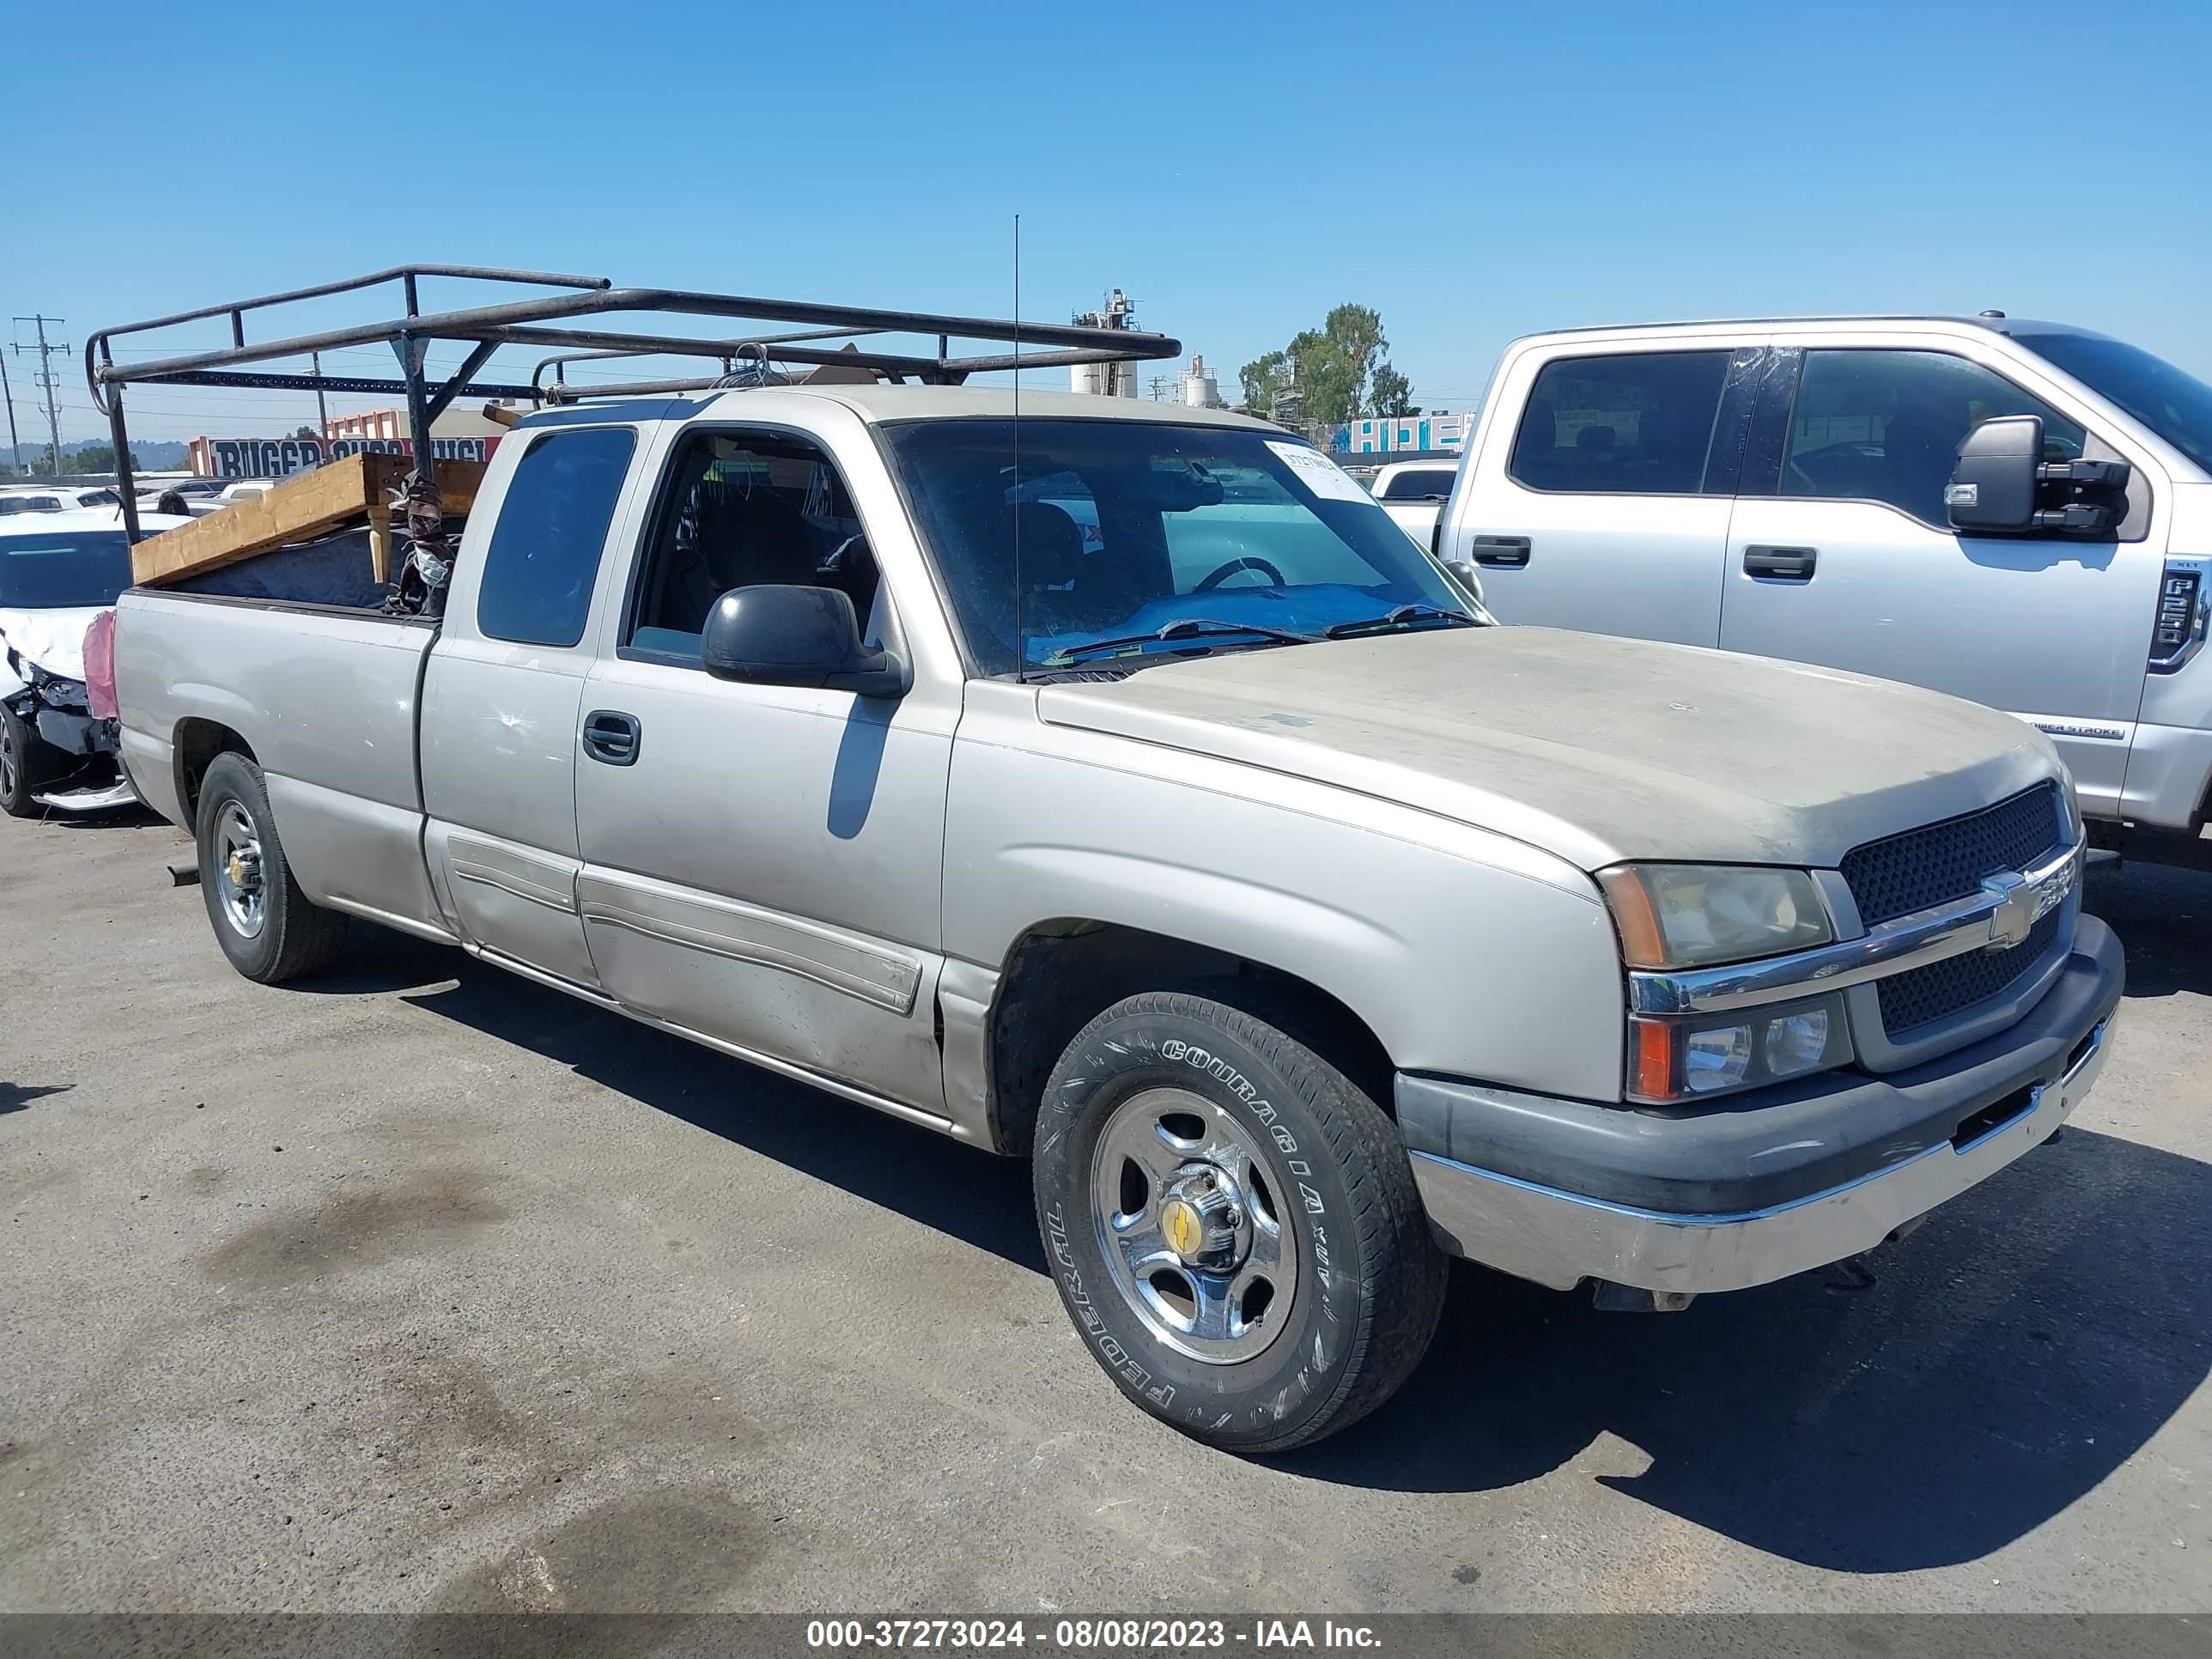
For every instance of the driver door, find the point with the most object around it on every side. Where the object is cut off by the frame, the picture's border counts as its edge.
(762, 864)
(1849, 561)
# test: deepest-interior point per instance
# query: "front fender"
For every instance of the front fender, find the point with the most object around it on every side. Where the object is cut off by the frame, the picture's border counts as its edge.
(1465, 953)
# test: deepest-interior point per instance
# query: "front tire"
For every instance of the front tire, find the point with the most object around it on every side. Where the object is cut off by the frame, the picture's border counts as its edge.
(271, 931)
(22, 767)
(1231, 1224)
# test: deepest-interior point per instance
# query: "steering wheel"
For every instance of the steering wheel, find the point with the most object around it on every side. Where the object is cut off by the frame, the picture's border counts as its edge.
(1215, 578)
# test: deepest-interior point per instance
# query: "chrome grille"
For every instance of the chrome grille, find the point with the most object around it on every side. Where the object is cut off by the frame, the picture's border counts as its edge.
(1924, 995)
(1939, 862)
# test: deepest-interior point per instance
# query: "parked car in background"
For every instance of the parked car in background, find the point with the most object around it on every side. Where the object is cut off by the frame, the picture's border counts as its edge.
(197, 496)
(1793, 488)
(1413, 494)
(55, 498)
(1120, 789)
(59, 573)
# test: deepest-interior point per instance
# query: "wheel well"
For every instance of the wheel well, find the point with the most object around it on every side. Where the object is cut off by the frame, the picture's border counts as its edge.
(1062, 973)
(198, 741)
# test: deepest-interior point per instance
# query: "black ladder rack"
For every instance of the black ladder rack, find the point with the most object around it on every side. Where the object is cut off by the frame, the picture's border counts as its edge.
(519, 322)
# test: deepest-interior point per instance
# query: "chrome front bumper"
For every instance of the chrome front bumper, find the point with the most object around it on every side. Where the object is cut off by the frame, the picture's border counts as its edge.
(1971, 1113)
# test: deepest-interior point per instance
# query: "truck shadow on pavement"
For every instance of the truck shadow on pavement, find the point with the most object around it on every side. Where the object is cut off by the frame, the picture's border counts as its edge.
(937, 1181)
(2164, 917)
(2009, 1357)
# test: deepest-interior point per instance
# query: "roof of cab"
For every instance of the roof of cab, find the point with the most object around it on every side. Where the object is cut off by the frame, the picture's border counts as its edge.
(880, 403)
(938, 403)
(1996, 325)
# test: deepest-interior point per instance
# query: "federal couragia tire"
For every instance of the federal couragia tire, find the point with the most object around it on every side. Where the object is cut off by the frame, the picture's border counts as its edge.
(1231, 1224)
(270, 930)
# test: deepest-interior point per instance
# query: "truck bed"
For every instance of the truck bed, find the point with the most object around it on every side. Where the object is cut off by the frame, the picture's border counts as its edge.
(323, 697)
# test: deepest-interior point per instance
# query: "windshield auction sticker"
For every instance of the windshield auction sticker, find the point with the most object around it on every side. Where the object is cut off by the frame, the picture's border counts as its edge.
(1318, 473)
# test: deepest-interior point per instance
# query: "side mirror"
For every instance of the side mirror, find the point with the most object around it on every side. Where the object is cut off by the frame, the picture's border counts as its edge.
(1992, 486)
(774, 634)
(1469, 576)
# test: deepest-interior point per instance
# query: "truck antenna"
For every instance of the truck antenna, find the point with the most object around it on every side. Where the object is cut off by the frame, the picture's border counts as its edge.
(1021, 645)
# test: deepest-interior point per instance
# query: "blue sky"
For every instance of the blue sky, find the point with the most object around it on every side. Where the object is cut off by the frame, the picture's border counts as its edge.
(1474, 173)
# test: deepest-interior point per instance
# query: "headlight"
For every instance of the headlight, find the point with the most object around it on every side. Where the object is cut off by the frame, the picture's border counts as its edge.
(1674, 1061)
(1699, 916)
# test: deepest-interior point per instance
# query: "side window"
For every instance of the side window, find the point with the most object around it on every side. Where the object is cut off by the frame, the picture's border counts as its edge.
(1632, 425)
(1886, 426)
(544, 551)
(739, 509)
(1422, 483)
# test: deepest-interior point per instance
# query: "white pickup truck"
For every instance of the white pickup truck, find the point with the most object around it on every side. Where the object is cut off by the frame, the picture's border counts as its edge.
(1413, 494)
(1301, 928)
(1793, 488)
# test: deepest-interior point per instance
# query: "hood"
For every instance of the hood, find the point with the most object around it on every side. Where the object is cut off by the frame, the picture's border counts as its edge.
(53, 639)
(1594, 748)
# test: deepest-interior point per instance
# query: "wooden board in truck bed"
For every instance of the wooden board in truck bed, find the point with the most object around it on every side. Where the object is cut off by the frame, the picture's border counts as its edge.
(352, 490)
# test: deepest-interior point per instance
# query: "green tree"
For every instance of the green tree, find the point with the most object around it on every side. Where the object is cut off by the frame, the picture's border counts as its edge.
(1391, 394)
(1259, 377)
(98, 457)
(1342, 371)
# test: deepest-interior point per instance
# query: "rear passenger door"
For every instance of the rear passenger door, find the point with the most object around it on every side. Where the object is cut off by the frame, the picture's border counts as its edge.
(1841, 552)
(500, 698)
(1606, 506)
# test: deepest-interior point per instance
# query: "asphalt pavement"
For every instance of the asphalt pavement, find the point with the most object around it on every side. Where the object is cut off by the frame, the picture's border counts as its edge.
(424, 1288)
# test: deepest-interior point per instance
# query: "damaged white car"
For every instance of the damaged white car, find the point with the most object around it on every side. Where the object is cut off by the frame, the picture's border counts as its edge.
(59, 574)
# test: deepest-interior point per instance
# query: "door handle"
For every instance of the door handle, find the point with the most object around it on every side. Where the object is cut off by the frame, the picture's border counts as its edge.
(1788, 564)
(1500, 550)
(611, 737)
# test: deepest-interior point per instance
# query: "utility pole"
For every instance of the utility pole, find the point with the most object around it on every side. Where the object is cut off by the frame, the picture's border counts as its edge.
(15, 443)
(322, 414)
(46, 381)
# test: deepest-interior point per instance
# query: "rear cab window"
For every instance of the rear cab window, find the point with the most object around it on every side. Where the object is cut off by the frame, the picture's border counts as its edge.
(1421, 483)
(544, 558)
(1637, 424)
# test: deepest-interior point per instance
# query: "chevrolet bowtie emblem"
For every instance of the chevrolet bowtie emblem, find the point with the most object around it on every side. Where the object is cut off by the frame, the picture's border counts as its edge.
(2021, 902)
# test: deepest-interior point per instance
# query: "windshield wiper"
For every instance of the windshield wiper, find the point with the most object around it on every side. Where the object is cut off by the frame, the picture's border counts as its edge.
(1398, 618)
(1182, 628)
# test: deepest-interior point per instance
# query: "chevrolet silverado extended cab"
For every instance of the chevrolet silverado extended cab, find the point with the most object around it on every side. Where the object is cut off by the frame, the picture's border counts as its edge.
(1786, 488)
(1301, 928)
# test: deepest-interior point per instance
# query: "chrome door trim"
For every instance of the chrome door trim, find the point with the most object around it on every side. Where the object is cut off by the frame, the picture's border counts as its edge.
(517, 874)
(743, 933)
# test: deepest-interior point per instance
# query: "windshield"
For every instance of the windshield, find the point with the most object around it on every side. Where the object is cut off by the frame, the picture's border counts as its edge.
(2175, 405)
(67, 570)
(1128, 526)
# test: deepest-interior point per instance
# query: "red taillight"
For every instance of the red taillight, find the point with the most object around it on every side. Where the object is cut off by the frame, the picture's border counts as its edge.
(99, 666)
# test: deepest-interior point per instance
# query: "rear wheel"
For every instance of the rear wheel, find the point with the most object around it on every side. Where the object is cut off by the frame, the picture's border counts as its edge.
(1232, 1225)
(22, 767)
(270, 930)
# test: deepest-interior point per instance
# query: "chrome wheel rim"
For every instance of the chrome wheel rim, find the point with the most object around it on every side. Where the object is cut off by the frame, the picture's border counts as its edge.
(238, 872)
(1189, 1218)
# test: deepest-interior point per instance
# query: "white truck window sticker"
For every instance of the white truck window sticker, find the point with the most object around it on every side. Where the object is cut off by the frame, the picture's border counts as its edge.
(1318, 473)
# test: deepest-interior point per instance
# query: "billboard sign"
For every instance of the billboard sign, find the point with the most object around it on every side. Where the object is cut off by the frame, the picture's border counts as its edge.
(1381, 435)
(280, 458)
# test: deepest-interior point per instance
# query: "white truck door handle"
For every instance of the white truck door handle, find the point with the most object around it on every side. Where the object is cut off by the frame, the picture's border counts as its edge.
(611, 737)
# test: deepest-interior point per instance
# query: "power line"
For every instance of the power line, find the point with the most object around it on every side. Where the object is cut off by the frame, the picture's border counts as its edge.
(46, 382)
